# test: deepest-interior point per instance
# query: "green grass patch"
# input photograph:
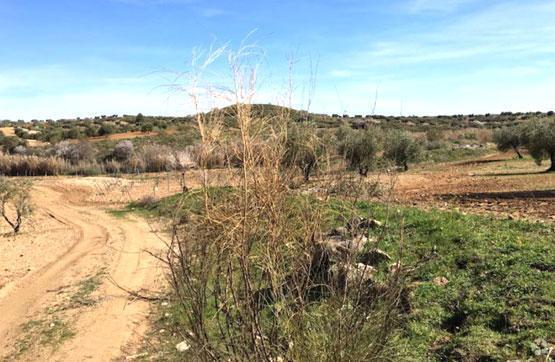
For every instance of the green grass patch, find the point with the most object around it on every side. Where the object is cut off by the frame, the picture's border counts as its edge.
(500, 295)
(501, 291)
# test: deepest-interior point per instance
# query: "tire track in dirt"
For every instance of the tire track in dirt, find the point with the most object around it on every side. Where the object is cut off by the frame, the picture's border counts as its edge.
(100, 242)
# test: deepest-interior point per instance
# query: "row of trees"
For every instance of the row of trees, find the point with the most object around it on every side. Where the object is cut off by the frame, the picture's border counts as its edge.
(361, 149)
(538, 136)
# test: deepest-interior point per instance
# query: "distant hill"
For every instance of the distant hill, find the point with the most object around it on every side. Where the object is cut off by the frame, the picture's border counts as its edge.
(100, 126)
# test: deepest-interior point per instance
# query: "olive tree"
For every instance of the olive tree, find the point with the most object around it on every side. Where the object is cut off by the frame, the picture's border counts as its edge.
(508, 138)
(303, 149)
(401, 149)
(359, 148)
(539, 137)
(15, 203)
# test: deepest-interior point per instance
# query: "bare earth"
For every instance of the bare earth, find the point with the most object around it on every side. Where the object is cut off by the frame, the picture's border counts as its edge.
(46, 271)
(72, 239)
(497, 184)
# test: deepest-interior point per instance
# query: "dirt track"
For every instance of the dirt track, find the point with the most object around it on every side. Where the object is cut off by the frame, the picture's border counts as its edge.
(84, 240)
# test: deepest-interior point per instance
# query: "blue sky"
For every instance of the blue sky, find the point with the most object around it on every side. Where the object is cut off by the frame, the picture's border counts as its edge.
(68, 58)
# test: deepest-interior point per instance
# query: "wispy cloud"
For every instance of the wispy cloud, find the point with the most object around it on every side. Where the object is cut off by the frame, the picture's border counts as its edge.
(508, 30)
(212, 12)
(442, 6)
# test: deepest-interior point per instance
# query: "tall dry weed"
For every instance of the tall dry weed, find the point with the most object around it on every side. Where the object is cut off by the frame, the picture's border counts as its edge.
(248, 271)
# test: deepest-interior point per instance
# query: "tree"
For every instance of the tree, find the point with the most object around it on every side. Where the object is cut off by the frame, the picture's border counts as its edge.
(508, 138)
(401, 149)
(539, 137)
(15, 203)
(139, 118)
(303, 148)
(359, 149)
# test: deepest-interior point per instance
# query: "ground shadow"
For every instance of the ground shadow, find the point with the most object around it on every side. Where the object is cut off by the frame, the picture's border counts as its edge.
(478, 162)
(510, 195)
(527, 173)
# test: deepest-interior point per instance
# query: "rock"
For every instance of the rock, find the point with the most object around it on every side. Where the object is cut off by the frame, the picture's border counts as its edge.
(182, 346)
(358, 223)
(339, 231)
(339, 249)
(373, 257)
(360, 273)
(440, 281)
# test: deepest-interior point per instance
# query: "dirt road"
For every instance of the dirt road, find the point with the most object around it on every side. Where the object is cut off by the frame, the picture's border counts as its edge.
(67, 306)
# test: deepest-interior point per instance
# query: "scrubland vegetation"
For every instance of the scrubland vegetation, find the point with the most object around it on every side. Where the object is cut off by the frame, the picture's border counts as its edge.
(285, 267)
(297, 259)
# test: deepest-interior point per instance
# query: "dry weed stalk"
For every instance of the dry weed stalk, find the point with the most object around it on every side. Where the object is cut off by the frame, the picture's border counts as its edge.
(247, 270)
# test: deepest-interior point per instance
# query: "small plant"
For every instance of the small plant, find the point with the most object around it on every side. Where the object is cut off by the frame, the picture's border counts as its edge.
(15, 201)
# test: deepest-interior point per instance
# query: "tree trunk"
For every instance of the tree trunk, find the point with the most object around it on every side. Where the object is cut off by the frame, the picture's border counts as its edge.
(517, 152)
(306, 173)
(405, 166)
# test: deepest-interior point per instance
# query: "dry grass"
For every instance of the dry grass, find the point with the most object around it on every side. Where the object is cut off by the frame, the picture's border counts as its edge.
(248, 271)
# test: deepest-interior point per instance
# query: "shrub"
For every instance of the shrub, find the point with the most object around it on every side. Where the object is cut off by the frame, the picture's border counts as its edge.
(147, 127)
(434, 135)
(75, 152)
(401, 149)
(250, 276)
(123, 150)
(15, 203)
(20, 150)
(10, 143)
(106, 129)
(158, 158)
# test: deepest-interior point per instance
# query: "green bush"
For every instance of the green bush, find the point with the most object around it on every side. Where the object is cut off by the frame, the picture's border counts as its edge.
(360, 149)
(401, 149)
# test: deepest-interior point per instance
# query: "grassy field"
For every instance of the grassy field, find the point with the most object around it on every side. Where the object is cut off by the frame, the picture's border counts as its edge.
(485, 293)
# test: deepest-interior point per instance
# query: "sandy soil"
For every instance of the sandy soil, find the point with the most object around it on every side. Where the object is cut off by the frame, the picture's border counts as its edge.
(69, 240)
(8, 131)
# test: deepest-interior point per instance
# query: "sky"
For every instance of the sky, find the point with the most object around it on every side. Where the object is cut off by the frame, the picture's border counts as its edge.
(80, 58)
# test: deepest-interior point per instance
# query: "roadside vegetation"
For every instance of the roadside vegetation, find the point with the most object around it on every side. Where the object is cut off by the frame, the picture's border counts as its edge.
(271, 269)
(15, 204)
